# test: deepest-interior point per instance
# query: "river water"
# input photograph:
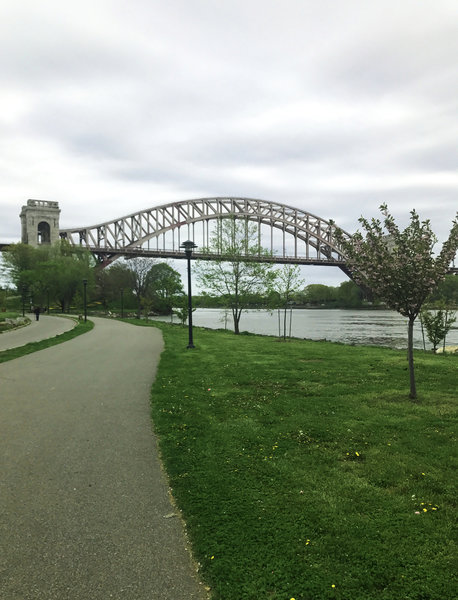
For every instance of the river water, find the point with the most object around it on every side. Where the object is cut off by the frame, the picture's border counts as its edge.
(368, 327)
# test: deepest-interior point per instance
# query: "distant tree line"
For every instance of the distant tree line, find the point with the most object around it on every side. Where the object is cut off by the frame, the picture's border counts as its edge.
(349, 295)
(147, 286)
(446, 292)
(346, 295)
(316, 295)
(51, 276)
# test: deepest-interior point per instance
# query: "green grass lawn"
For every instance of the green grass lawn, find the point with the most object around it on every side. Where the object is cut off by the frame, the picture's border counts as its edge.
(303, 470)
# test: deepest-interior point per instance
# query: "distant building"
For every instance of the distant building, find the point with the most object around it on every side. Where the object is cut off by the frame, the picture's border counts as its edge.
(40, 222)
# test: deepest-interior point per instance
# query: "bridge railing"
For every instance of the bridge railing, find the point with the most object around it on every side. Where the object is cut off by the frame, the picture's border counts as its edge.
(134, 252)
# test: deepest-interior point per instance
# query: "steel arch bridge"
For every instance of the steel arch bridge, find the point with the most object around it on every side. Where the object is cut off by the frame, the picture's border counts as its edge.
(291, 235)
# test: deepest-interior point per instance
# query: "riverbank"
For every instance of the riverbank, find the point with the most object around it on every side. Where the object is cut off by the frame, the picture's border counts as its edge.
(362, 327)
(303, 470)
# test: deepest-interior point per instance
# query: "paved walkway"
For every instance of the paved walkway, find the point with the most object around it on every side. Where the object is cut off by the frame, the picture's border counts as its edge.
(45, 328)
(85, 511)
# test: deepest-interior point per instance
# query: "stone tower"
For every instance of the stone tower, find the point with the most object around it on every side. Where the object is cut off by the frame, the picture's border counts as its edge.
(40, 222)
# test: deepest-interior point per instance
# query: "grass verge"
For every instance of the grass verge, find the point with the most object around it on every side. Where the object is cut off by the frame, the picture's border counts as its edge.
(302, 469)
(79, 329)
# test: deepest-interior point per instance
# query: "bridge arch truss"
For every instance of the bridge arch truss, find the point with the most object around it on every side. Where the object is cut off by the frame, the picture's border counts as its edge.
(289, 234)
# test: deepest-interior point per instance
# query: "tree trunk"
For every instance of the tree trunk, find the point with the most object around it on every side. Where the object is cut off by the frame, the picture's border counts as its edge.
(413, 388)
(236, 316)
(445, 331)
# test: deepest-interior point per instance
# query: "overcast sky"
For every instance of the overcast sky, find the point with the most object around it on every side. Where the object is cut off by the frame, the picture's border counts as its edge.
(333, 106)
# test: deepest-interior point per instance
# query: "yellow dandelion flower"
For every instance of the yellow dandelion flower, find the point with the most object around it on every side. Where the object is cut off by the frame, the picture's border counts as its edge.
(425, 510)
(333, 586)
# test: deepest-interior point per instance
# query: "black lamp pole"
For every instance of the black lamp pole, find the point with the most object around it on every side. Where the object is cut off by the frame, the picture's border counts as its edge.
(24, 289)
(85, 299)
(188, 248)
(122, 303)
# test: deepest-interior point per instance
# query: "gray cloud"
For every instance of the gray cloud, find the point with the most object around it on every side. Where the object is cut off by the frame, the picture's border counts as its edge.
(111, 107)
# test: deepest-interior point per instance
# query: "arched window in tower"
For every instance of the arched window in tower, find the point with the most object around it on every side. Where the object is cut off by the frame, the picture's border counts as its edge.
(44, 233)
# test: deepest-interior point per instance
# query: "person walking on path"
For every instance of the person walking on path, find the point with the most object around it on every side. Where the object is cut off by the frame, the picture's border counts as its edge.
(86, 511)
(37, 313)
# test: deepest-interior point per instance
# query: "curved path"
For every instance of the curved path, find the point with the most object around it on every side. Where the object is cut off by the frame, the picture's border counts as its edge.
(85, 510)
(45, 328)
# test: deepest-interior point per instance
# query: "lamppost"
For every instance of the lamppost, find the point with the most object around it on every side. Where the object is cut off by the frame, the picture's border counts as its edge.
(188, 248)
(85, 299)
(24, 289)
(122, 303)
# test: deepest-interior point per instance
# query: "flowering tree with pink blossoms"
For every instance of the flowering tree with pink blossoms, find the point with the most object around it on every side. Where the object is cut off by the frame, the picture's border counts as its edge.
(398, 266)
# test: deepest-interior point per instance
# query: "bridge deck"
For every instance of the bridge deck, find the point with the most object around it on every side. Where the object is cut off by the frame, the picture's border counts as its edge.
(110, 254)
(175, 254)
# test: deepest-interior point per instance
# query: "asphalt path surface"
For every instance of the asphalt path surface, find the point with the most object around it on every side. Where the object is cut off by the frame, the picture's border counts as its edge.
(85, 506)
(36, 331)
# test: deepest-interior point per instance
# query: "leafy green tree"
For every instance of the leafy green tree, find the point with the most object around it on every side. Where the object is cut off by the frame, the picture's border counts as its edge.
(182, 313)
(349, 295)
(64, 272)
(139, 268)
(318, 294)
(437, 324)
(3, 298)
(147, 306)
(49, 272)
(287, 285)
(400, 268)
(164, 287)
(181, 309)
(446, 291)
(238, 275)
(111, 281)
(153, 286)
(20, 262)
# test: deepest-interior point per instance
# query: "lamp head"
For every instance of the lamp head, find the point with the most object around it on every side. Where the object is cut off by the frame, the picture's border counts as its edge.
(188, 247)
